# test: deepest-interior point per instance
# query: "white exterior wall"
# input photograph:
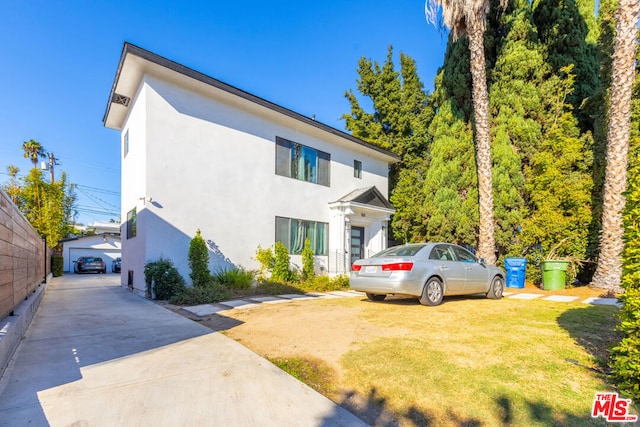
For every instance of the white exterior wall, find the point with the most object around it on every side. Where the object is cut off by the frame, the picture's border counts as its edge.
(133, 187)
(210, 165)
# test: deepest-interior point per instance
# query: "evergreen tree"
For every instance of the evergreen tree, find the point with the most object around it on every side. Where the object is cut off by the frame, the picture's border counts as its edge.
(199, 261)
(308, 269)
(450, 210)
(559, 183)
(399, 122)
(400, 107)
(569, 40)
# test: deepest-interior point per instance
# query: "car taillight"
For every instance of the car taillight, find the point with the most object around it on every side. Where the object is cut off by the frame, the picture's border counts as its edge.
(398, 266)
(356, 267)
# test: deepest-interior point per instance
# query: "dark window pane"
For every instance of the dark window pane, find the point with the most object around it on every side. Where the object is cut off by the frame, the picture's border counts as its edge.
(357, 169)
(324, 160)
(282, 231)
(131, 223)
(283, 155)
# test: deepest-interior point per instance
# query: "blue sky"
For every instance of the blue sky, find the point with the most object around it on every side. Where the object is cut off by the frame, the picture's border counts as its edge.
(59, 60)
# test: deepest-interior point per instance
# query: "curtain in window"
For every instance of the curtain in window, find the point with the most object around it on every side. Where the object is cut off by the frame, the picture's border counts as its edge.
(293, 232)
(309, 155)
(297, 236)
(319, 247)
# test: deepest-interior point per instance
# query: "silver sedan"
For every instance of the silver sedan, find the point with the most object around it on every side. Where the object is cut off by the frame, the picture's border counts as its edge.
(428, 271)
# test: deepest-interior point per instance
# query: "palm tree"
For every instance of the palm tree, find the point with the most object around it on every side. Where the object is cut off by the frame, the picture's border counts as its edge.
(32, 150)
(609, 271)
(468, 18)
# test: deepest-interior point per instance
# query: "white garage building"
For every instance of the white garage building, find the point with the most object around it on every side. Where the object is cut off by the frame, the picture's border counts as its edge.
(106, 246)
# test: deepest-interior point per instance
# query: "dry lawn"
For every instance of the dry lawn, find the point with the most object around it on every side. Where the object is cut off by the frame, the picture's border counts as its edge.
(471, 361)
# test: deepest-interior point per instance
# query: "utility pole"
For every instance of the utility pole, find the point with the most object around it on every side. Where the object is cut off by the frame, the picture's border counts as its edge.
(52, 161)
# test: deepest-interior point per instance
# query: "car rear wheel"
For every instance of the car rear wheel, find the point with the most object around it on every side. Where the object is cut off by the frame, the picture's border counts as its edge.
(376, 297)
(432, 293)
(496, 289)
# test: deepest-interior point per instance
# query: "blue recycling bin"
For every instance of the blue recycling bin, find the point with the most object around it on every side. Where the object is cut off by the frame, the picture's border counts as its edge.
(516, 272)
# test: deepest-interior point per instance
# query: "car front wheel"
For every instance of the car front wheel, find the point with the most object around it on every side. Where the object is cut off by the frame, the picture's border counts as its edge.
(376, 297)
(432, 293)
(496, 289)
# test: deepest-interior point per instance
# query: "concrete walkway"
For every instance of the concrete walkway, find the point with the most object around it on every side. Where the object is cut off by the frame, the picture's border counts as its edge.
(98, 355)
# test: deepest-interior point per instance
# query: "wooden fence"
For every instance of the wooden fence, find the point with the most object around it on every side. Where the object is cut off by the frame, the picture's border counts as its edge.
(25, 261)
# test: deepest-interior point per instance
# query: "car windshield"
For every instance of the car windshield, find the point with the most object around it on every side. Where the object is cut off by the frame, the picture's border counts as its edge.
(404, 250)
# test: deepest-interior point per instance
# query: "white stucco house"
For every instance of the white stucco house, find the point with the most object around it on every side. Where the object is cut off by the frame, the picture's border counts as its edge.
(200, 154)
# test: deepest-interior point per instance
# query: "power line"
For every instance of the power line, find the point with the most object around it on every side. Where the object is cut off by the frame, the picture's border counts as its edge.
(98, 190)
(93, 210)
(98, 200)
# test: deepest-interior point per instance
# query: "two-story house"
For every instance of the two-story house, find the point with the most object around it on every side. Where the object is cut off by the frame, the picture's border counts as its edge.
(200, 154)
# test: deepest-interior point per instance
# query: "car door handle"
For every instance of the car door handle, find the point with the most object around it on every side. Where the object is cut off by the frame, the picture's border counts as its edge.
(444, 267)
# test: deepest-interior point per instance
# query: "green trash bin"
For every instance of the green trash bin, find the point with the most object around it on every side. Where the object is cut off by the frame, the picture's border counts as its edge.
(554, 274)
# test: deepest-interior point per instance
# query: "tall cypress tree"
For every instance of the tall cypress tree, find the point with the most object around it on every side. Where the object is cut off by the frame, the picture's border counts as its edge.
(567, 29)
(399, 122)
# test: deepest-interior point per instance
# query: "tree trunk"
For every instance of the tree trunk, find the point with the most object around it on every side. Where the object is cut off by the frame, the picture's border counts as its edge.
(609, 271)
(486, 238)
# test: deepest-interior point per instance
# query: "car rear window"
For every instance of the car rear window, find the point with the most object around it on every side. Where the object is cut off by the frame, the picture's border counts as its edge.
(405, 250)
(93, 259)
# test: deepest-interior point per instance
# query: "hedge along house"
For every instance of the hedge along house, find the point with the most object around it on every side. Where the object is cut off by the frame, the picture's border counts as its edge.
(200, 154)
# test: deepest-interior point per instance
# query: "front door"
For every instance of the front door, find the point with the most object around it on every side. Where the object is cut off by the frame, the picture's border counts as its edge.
(357, 243)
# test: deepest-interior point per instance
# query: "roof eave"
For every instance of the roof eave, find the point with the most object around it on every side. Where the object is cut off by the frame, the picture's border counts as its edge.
(146, 55)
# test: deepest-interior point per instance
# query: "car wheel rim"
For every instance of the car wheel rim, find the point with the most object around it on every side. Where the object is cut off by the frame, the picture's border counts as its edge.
(498, 288)
(433, 291)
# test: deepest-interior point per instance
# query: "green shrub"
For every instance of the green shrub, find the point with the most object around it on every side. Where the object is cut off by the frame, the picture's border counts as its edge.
(281, 270)
(340, 282)
(325, 283)
(266, 259)
(234, 278)
(57, 265)
(199, 261)
(308, 270)
(163, 279)
(625, 357)
(269, 287)
(211, 292)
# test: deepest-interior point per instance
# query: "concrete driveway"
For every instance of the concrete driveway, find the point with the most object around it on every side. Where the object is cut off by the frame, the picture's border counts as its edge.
(98, 355)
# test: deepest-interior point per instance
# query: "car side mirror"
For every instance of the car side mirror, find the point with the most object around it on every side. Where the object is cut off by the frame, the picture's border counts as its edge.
(482, 262)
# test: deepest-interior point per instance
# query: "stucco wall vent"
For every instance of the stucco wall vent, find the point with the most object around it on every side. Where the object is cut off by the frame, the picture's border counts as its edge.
(121, 99)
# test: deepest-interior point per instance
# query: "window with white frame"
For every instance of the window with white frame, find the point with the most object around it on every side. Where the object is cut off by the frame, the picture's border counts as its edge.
(298, 161)
(293, 232)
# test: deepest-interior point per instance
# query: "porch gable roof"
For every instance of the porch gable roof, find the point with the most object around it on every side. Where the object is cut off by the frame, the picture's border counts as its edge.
(368, 196)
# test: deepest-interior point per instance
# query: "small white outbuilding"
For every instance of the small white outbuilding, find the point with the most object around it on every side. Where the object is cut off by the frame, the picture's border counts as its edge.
(106, 246)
